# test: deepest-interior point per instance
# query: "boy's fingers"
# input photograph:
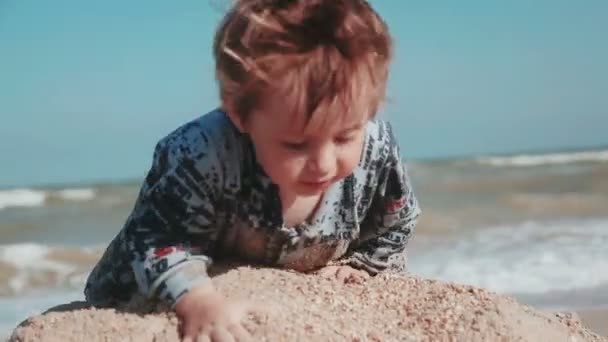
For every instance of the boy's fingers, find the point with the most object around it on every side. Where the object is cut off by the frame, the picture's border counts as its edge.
(239, 332)
(221, 334)
(203, 338)
(191, 330)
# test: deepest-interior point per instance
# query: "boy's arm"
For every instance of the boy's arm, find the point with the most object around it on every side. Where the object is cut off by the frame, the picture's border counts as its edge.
(173, 223)
(391, 218)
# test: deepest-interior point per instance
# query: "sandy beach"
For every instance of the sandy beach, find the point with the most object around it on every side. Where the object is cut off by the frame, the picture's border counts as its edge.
(596, 320)
(298, 307)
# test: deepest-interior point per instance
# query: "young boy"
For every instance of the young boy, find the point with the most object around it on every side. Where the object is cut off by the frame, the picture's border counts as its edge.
(293, 171)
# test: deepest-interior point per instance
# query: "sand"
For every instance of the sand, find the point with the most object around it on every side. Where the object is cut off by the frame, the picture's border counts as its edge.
(596, 319)
(300, 307)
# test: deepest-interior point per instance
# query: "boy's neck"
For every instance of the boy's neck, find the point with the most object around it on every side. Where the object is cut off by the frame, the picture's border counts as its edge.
(298, 209)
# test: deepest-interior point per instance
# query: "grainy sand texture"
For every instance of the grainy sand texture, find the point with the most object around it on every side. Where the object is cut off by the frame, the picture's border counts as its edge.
(301, 307)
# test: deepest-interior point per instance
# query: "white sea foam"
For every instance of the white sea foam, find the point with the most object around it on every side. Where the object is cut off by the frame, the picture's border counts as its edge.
(38, 266)
(77, 194)
(546, 159)
(21, 198)
(534, 257)
(30, 260)
(37, 197)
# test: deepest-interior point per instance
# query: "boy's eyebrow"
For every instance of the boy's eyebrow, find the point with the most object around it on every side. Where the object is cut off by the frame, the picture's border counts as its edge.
(354, 127)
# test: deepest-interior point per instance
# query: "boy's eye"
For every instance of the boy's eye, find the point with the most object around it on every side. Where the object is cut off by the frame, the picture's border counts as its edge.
(295, 146)
(345, 139)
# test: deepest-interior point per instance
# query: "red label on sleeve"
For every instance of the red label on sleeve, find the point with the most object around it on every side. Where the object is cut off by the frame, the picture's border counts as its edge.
(161, 252)
(394, 206)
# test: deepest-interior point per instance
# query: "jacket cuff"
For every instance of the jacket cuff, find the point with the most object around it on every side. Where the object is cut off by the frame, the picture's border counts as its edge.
(176, 282)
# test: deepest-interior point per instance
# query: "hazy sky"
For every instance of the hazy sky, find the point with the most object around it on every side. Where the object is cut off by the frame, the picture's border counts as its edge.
(86, 88)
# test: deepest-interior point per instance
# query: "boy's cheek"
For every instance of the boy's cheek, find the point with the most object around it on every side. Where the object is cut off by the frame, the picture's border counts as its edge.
(282, 164)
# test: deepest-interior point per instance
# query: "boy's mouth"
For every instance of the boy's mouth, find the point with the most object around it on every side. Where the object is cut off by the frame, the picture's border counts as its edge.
(316, 183)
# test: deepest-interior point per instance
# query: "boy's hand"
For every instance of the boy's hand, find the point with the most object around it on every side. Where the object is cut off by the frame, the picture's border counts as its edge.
(206, 315)
(344, 274)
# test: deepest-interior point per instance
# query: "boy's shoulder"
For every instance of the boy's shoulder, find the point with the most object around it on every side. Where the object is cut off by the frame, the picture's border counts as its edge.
(212, 130)
(380, 132)
(209, 146)
(213, 124)
(380, 143)
(378, 128)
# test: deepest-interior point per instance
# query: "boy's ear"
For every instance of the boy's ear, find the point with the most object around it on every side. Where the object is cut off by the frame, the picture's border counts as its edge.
(236, 119)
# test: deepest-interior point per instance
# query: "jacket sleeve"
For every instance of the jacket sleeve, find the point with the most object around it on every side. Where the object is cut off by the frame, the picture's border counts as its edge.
(391, 218)
(172, 225)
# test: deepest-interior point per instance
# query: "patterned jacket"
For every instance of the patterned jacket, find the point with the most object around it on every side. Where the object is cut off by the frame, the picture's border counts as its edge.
(205, 197)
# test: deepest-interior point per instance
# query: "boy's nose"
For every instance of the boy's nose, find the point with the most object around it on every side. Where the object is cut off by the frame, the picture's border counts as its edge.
(321, 163)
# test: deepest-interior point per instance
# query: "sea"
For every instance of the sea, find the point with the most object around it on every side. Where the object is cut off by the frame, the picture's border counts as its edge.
(534, 226)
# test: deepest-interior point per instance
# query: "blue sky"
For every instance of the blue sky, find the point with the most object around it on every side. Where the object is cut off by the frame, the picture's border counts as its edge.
(86, 88)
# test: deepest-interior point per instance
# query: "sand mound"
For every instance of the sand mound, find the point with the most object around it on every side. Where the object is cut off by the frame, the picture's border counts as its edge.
(307, 308)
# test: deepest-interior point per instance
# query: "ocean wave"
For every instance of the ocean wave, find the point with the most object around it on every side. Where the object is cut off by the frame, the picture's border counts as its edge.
(532, 257)
(26, 197)
(546, 159)
(83, 194)
(570, 204)
(30, 266)
(21, 198)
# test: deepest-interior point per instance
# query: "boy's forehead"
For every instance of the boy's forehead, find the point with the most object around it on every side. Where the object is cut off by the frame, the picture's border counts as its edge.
(288, 119)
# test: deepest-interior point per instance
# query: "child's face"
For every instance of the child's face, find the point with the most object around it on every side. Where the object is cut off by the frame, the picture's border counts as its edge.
(302, 159)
